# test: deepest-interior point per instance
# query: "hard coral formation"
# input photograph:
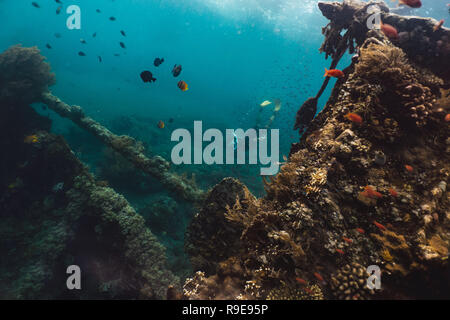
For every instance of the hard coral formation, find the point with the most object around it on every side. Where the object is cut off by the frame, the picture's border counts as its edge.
(310, 226)
(210, 238)
(24, 75)
(406, 90)
(350, 283)
(59, 216)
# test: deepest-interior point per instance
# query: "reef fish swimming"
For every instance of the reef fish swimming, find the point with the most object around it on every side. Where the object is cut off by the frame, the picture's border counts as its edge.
(183, 85)
(176, 70)
(265, 103)
(389, 31)
(411, 3)
(333, 73)
(353, 117)
(158, 62)
(147, 76)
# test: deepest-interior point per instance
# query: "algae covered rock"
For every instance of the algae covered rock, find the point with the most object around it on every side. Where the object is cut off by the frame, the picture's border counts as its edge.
(211, 238)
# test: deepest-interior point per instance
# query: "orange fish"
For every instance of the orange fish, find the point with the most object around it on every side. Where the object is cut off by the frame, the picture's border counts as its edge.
(393, 192)
(339, 251)
(31, 139)
(447, 117)
(333, 73)
(370, 192)
(409, 168)
(389, 31)
(438, 25)
(183, 85)
(347, 240)
(318, 276)
(308, 291)
(161, 124)
(380, 226)
(353, 117)
(301, 281)
(360, 230)
(411, 3)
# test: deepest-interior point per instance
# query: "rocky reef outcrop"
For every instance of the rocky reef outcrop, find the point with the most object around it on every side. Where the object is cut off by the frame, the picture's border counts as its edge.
(354, 193)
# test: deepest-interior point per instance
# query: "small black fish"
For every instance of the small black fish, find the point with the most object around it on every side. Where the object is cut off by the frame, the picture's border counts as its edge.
(58, 10)
(98, 11)
(112, 18)
(176, 70)
(122, 45)
(123, 33)
(116, 55)
(158, 62)
(57, 1)
(94, 34)
(35, 4)
(99, 59)
(171, 120)
(81, 54)
(58, 35)
(83, 41)
(147, 76)
(48, 46)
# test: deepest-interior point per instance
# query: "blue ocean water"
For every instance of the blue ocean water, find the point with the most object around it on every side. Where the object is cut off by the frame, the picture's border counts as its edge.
(235, 54)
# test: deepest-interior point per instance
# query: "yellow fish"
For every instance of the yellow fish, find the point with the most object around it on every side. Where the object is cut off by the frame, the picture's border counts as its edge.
(265, 103)
(31, 139)
(277, 105)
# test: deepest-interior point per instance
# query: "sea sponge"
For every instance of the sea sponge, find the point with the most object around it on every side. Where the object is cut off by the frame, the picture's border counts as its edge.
(24, 74)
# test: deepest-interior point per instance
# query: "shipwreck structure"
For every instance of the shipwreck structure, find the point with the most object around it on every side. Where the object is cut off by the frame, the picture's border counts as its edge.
(351, 195)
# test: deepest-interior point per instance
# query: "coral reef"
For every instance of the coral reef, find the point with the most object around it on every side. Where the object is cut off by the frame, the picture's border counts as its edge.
(352, 194)
(55, 214)
(209, 238)
(24, 75)
(25, 78)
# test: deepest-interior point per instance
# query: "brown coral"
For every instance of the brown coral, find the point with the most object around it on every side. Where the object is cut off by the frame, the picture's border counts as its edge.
(24, 74)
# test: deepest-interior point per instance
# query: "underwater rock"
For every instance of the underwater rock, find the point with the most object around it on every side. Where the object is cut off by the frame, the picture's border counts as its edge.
(211, 237)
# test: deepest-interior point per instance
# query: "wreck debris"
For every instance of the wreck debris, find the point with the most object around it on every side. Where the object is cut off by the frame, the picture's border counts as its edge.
(129, 148)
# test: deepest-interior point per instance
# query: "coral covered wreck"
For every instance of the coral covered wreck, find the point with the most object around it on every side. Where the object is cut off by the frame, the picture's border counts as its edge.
(353, 194)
